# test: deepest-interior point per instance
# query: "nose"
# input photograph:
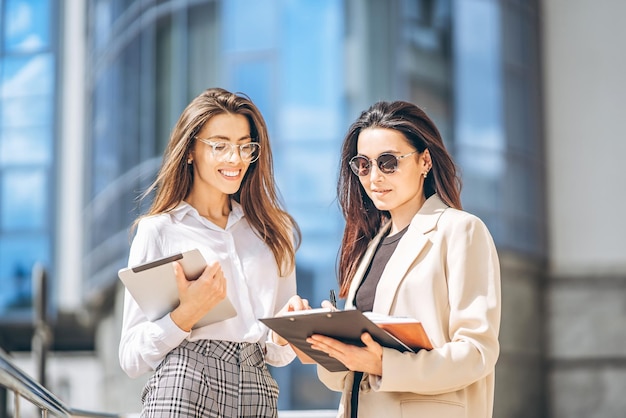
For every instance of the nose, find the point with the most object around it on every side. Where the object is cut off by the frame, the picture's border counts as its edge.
(233, 155)
(375, 173)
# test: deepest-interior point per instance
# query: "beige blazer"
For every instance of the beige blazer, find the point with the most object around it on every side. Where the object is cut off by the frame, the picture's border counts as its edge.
(444, 272)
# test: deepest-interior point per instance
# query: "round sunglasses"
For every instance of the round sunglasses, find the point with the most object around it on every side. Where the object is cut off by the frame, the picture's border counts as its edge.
(386, 162)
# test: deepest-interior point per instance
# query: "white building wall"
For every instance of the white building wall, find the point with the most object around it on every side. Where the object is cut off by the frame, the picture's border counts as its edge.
(585, 90)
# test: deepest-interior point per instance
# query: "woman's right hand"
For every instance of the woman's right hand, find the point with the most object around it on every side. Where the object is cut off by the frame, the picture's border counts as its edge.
(197, 297)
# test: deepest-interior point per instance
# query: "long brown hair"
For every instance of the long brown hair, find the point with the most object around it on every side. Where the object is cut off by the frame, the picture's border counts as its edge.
(257, 195)
(363, 220)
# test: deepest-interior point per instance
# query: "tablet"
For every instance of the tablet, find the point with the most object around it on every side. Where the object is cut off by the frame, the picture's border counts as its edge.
(153, 286)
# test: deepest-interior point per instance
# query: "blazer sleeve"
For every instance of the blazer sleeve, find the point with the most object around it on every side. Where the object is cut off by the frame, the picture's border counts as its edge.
(470, 264)
(332, 380)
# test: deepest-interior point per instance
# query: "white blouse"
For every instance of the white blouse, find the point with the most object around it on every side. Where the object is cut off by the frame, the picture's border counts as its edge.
(253, 285)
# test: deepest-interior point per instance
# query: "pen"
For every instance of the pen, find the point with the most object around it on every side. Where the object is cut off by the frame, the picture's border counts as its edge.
(333, 298)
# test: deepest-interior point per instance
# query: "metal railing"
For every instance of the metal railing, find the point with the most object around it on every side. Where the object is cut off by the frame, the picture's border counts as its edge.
(24, 387)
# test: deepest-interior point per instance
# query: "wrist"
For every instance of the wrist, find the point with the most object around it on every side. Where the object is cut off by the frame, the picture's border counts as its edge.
(278, 340)
(181, 320)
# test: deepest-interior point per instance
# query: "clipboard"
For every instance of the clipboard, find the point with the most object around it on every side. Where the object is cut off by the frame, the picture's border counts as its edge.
(346, 326)
(153, 286)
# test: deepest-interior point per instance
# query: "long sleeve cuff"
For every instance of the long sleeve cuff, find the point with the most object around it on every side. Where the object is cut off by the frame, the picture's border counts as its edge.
(278, 355)
(169, 333)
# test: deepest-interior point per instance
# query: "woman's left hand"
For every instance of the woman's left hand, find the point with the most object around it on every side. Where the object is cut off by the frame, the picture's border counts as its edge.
(367, 359)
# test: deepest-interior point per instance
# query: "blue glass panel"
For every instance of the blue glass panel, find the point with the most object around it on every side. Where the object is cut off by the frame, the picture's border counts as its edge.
(26, 111)
(30, 145)
(248, 25)
(27, 75)
(106, 166)
(312, 71)
(479, 131)
(254, 78)
(102, 22)
(27, 25)
(308, 59)
(18, 255)
(24, 200)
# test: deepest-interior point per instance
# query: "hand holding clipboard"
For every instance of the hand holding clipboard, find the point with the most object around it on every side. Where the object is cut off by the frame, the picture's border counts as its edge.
(346, 326)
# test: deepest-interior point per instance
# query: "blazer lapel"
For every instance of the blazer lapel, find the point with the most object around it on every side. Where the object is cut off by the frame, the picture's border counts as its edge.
(409, 248)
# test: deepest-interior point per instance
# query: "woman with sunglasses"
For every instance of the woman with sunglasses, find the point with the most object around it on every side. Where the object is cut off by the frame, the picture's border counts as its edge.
(215, 192)
(408, 249)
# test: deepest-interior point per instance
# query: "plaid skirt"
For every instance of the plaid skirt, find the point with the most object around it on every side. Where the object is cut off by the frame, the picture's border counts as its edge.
(217, 379)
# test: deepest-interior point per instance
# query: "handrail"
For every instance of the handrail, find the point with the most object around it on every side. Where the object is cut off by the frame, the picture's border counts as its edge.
(13, 378)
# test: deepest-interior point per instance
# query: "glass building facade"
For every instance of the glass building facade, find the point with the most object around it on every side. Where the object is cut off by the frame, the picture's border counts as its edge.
(312, 67)
(28, 57)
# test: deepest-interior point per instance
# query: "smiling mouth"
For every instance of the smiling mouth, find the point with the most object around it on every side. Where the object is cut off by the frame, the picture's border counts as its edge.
(230, 173)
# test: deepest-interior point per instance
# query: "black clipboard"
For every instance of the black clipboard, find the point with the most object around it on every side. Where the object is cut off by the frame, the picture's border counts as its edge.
(346, 326)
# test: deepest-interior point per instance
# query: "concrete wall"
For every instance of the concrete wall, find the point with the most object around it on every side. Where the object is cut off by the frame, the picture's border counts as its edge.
(520, 371)
(585, 86)
(71, 157)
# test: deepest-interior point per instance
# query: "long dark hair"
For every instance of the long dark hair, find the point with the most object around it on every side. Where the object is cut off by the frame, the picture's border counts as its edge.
(257, 195)
(363, 219)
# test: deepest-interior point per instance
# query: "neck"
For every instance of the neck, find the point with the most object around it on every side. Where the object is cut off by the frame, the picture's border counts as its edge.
(216, 212)
(402, 217)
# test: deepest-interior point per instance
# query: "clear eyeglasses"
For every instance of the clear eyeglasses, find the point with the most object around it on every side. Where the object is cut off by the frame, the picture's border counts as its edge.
(248, 152)
(387, 163)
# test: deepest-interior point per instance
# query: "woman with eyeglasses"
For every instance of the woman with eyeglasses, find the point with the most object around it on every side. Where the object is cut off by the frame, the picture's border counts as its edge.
(408, 249)
(215, 191)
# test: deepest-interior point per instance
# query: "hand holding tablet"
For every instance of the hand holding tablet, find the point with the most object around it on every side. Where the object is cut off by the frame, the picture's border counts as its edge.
(154, 287)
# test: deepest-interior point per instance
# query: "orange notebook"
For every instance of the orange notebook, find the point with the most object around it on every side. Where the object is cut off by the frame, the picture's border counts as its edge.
(408, 330)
